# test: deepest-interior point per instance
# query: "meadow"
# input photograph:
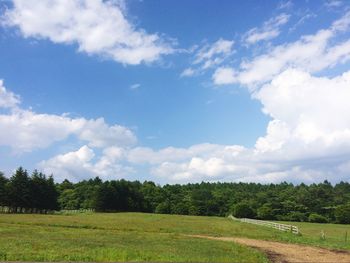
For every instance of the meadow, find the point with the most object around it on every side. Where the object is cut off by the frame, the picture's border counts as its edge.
(134, 237)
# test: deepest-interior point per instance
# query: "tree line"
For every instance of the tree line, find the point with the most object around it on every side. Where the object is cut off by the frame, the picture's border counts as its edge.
(28, 194)
(322, 202)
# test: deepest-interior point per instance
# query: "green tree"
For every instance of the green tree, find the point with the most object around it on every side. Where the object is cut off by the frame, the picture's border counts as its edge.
(342, 214)
(19, 190)
(265, 212)
(3, 189)
(316, 218)
(243, 210)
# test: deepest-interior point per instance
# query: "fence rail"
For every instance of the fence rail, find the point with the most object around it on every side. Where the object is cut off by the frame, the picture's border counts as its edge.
(20, 210)
(281, 227)
(75, 211)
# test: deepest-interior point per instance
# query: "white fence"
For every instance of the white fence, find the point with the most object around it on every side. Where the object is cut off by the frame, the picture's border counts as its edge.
(19, 210)
(281, 227)
(76, 211)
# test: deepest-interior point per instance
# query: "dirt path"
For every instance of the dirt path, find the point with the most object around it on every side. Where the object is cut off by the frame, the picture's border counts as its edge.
(288, 253)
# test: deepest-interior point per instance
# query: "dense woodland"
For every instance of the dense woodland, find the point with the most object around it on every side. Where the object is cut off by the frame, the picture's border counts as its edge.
(37, 193)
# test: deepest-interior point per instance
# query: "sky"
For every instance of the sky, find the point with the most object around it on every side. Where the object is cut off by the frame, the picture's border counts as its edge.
(176, 91)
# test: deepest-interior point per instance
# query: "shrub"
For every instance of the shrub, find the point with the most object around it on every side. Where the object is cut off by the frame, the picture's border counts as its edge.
(296, 216)
(316, 218)
(242, 210)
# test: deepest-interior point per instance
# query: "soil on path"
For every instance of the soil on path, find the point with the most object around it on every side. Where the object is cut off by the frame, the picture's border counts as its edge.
(289, 253)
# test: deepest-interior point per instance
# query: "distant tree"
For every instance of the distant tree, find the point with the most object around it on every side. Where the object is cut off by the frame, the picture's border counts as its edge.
(51, 194)
(151, 195)
(19, 190)
(342, 214)
(243, 210)
(69, 200)
(3, 189)
(297, 216)
(163, 208)
(44, 193)
(265, 212)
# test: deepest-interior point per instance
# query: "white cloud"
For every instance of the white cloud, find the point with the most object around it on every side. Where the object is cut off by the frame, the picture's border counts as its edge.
(188, 72)
(100, 134)
(302, 20)
(197, 169)
(311, 53)
(81, 164)
(135, 86)
(285, 4)
(310, 112)
(148, 155)
(24, 130)
(333, 3)
(214, 54)
(7, 98)
(98, 28)
(268, 31)
(224, 75)
(208, 56)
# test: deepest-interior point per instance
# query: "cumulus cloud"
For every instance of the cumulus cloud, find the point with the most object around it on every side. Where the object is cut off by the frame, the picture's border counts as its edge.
(82, 164)
(97, 27)
(309, 114)
(311, 53)
(99, 134)
(308, 137)
(24, 130)
(148, 155)
(7, 98)
(269, 30)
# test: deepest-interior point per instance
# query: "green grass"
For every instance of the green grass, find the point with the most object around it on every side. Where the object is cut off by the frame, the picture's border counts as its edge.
(117, 237)
(143, 237)
(334, 234)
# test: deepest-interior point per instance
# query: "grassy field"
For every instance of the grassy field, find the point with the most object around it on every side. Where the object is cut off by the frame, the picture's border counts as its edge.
(336, 235)
(143, 237)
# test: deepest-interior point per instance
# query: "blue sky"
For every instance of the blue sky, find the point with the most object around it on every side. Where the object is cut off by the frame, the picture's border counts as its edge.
(176, 92)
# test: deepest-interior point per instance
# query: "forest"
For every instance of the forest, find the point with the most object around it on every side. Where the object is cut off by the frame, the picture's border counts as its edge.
(37, 193)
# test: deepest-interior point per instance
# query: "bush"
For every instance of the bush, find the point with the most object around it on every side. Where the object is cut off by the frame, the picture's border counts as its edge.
(342, 214)
(316, 218)
(243, 210)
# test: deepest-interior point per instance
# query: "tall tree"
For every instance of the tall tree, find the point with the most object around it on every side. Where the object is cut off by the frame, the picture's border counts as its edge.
(19, 190)
(3, 189)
